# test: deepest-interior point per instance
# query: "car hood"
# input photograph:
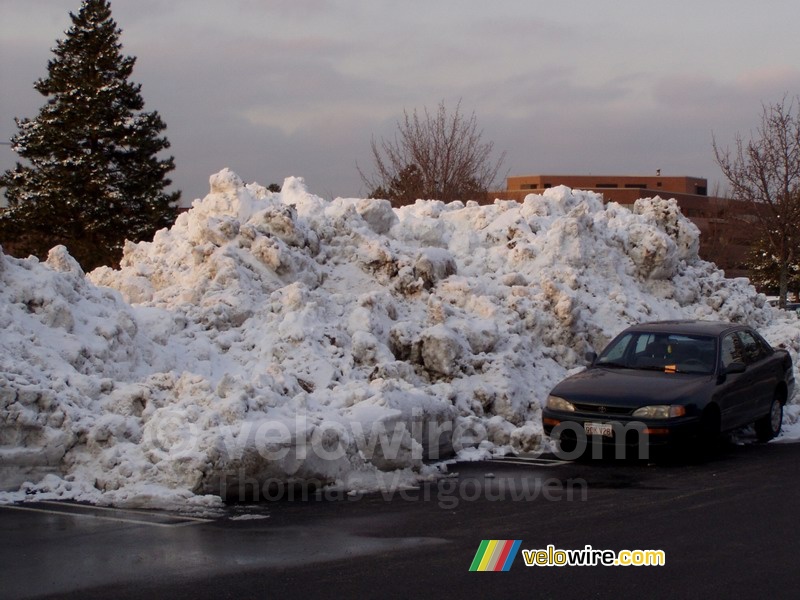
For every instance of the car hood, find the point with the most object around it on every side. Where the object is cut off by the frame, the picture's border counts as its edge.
(628, 387)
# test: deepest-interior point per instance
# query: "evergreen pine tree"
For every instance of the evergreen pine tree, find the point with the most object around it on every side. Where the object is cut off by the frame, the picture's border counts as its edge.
(93, 177)
(765, 271)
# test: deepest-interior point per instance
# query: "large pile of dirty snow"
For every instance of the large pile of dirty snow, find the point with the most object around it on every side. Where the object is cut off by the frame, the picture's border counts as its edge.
(277, 337)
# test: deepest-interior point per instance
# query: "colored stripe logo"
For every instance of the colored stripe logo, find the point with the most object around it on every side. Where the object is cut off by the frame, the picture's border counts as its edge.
(495, 555)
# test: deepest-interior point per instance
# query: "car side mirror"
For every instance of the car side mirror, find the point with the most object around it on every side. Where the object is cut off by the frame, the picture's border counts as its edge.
(590, 357)
(735, 367)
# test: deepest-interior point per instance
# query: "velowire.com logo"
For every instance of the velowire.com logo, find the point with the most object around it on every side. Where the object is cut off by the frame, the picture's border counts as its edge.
(495, 555)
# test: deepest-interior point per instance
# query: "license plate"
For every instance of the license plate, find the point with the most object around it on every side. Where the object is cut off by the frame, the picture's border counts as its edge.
(603, 429)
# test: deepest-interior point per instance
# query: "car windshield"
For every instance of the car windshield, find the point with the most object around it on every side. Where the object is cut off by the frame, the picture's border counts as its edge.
(667, 352)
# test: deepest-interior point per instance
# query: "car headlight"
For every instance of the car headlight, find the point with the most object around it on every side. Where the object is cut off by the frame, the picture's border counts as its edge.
(660, 411)
(557, 403)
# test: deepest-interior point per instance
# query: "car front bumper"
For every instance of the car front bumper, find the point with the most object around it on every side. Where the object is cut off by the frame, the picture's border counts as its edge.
(624, 430)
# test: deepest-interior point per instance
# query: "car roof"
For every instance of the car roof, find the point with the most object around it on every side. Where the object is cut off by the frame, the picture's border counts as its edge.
(686, 327)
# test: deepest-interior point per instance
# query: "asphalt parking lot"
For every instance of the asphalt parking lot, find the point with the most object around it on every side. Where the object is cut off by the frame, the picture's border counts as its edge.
(728, 526)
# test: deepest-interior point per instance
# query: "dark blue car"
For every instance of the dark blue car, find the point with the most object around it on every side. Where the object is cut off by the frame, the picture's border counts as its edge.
(672, 381)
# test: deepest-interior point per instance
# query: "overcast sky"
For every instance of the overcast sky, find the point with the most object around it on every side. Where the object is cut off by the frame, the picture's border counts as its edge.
(273, 88)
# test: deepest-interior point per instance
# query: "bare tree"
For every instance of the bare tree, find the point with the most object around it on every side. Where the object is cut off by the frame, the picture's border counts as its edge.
(434, 156)
(765, 172)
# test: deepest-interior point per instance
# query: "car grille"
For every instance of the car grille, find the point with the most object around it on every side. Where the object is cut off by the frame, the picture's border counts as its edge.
(602, 409)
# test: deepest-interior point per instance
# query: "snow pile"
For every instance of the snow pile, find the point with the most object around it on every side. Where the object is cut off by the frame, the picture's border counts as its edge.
(272, 338)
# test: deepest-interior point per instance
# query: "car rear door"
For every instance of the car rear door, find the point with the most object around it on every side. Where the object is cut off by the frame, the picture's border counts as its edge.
(735, 389)
(763, 380)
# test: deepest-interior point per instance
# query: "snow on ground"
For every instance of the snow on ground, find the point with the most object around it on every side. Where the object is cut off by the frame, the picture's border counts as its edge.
(278, 338)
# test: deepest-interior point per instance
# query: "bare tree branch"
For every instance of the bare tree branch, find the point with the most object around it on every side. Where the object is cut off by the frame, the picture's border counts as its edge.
(765, 172)
(434, 156)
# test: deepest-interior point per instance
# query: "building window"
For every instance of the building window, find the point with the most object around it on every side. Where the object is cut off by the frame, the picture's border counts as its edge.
(701, 190)
(606, 185)
(636, 186)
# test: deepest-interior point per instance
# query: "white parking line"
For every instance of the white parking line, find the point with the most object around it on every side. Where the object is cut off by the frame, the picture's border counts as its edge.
(134, 511)
(539, 462)
(91, 512)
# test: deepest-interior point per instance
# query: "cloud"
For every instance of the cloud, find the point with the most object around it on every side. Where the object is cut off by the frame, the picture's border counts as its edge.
(274, 88)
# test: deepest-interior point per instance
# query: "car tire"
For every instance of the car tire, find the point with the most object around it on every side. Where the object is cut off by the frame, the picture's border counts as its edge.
(567, 442)
(769, 426)
(707, 440)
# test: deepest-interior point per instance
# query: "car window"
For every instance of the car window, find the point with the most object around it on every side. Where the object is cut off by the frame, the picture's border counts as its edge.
(764, 343)
(668, 352)
(732, 350)
(616, 350)
(642, 342)
(753, 350)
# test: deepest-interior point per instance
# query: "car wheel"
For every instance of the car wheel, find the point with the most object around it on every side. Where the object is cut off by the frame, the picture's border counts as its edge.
(768, 426)
(568, 442)
(708, 436)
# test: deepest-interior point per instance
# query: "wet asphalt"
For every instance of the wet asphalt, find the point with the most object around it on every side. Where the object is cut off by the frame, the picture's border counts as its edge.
(729, 525)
